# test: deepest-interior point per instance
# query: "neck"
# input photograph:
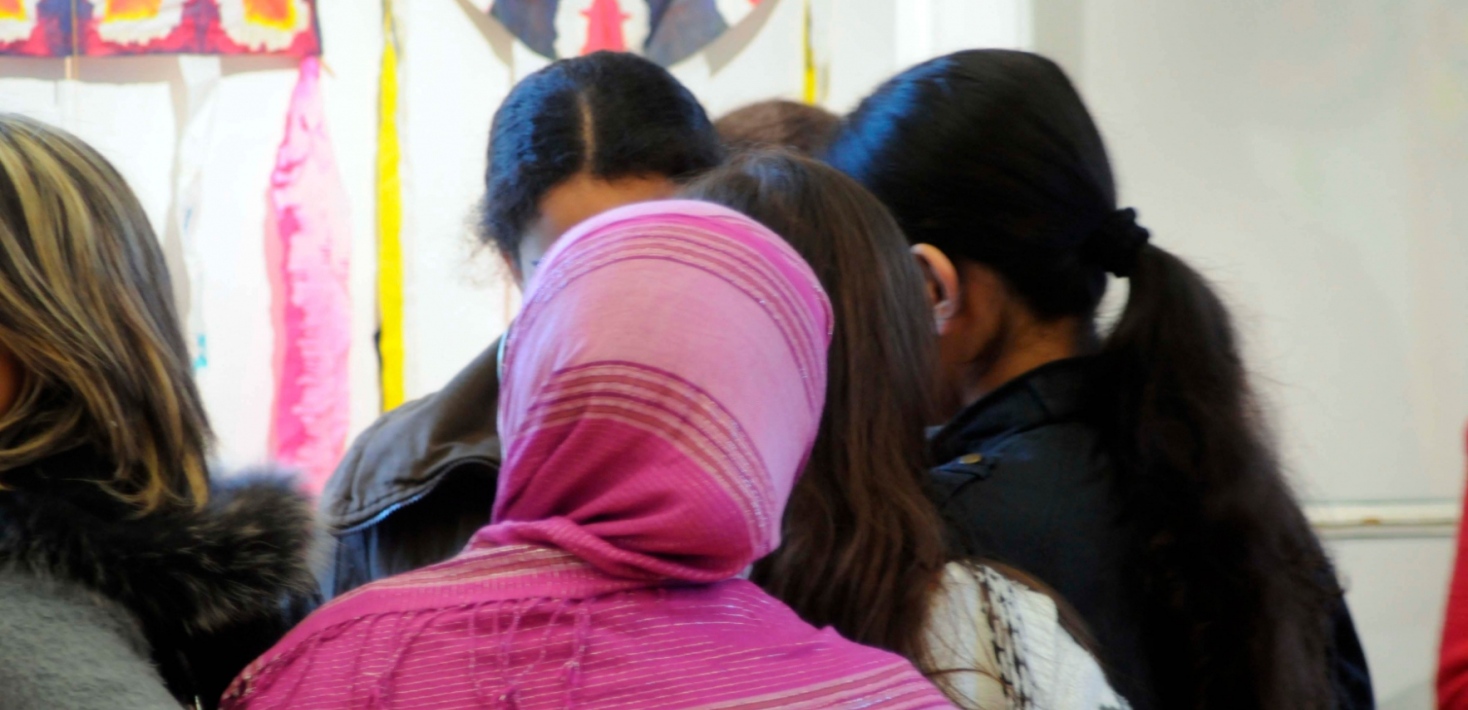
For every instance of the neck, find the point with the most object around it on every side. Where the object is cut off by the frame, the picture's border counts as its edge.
(1023, 349)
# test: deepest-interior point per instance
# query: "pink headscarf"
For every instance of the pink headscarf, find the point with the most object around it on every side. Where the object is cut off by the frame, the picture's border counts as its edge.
(662, 388)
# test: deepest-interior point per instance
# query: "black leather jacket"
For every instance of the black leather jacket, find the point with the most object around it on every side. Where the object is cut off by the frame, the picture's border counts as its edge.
(418, 483)
(1028, 482)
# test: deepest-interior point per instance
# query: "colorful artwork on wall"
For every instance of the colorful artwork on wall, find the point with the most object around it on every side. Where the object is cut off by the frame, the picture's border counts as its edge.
(94, 28)
(391, 348)
(308, 243)
(665, 31)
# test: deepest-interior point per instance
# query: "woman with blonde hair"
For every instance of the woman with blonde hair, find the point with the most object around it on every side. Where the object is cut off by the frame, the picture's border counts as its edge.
(125, 580)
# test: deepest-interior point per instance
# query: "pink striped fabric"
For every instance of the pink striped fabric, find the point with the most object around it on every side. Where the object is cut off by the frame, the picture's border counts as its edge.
(662, 388)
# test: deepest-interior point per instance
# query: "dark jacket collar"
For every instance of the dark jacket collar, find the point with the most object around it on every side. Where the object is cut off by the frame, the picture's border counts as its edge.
(406, 452)
(1052, 392)
(198, 582)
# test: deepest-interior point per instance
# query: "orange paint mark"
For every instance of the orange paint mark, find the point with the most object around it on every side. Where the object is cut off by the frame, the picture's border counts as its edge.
(604, 31)
(116, 10)
(280, 14)
(12, 10)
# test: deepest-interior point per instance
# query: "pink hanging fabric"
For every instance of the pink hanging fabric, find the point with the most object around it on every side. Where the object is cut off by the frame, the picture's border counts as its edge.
(307, 245)
(662, 388)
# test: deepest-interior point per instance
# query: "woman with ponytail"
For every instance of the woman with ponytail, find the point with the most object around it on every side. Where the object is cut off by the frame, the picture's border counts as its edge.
(862, 548)
(1133, 473)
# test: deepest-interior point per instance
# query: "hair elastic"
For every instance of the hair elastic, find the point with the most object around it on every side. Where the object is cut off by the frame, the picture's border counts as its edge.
(1116, 243)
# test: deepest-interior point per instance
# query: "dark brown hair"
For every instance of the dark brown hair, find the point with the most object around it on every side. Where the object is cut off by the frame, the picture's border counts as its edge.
(863, 545)
(991, 157)
(778, 123)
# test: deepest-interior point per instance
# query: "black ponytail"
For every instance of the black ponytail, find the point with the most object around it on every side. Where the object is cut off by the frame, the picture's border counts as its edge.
(991, 157)
(1234, 575)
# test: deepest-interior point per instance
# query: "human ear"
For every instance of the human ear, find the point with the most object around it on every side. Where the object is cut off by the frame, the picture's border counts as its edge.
(940, 281)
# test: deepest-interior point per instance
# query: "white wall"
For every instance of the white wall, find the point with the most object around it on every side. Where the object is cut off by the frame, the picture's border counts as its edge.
(1311, 157)
(1302, 153)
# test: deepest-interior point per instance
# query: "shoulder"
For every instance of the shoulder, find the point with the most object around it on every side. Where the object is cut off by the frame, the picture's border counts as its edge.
(180, 569)
(734, 621)
(975, 623)
(400, 456)
(1004, 482)
(362, 458)
(62, 646)
(984, 602)
(1000, 643)
(1051, 446)
(335, 626)
(207, 585)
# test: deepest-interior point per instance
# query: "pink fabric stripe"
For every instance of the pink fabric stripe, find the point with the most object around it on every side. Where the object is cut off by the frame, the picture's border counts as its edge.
(619, 522)
(739, 264)
(676, 411)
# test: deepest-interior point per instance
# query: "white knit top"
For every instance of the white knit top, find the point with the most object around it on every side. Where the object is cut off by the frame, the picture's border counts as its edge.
(1007, 649)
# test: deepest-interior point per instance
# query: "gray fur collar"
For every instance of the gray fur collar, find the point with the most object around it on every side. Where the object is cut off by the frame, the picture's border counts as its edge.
(239, 567)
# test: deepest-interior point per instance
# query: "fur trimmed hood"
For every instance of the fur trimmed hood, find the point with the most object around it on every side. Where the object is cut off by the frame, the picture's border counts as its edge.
(210, 589)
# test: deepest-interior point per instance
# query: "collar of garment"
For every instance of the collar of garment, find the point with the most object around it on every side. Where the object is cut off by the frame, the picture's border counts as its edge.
(242, 562)
(410, 450)
(1048, 393)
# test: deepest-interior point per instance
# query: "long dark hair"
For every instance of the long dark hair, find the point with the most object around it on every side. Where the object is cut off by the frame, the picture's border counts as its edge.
(990, 156)
(610, 114)
(863, 545)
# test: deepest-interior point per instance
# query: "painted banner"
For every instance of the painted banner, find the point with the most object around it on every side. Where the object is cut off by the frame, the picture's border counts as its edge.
(60, 28)
(665, 31)
(308, 242)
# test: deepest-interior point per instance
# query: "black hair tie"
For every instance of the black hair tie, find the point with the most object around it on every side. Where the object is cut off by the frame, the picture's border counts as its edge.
(1116, 243)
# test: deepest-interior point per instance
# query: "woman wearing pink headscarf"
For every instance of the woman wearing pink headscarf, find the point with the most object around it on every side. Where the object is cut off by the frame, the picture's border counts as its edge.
(662, 389)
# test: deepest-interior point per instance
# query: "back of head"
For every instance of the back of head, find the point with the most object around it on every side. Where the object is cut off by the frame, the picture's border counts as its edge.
(87, 311)
(663, 384)
(778, 123)
(863, 544)
(991, 157)
(609, 114)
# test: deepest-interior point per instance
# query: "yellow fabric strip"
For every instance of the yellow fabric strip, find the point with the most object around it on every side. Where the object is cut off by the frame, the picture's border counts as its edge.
(390, 348)
(808, 55)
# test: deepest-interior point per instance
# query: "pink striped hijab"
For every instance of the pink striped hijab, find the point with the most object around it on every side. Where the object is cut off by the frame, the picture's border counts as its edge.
(662, 387)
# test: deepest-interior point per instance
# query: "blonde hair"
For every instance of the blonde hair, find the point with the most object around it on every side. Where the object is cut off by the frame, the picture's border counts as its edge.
(87, 310)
